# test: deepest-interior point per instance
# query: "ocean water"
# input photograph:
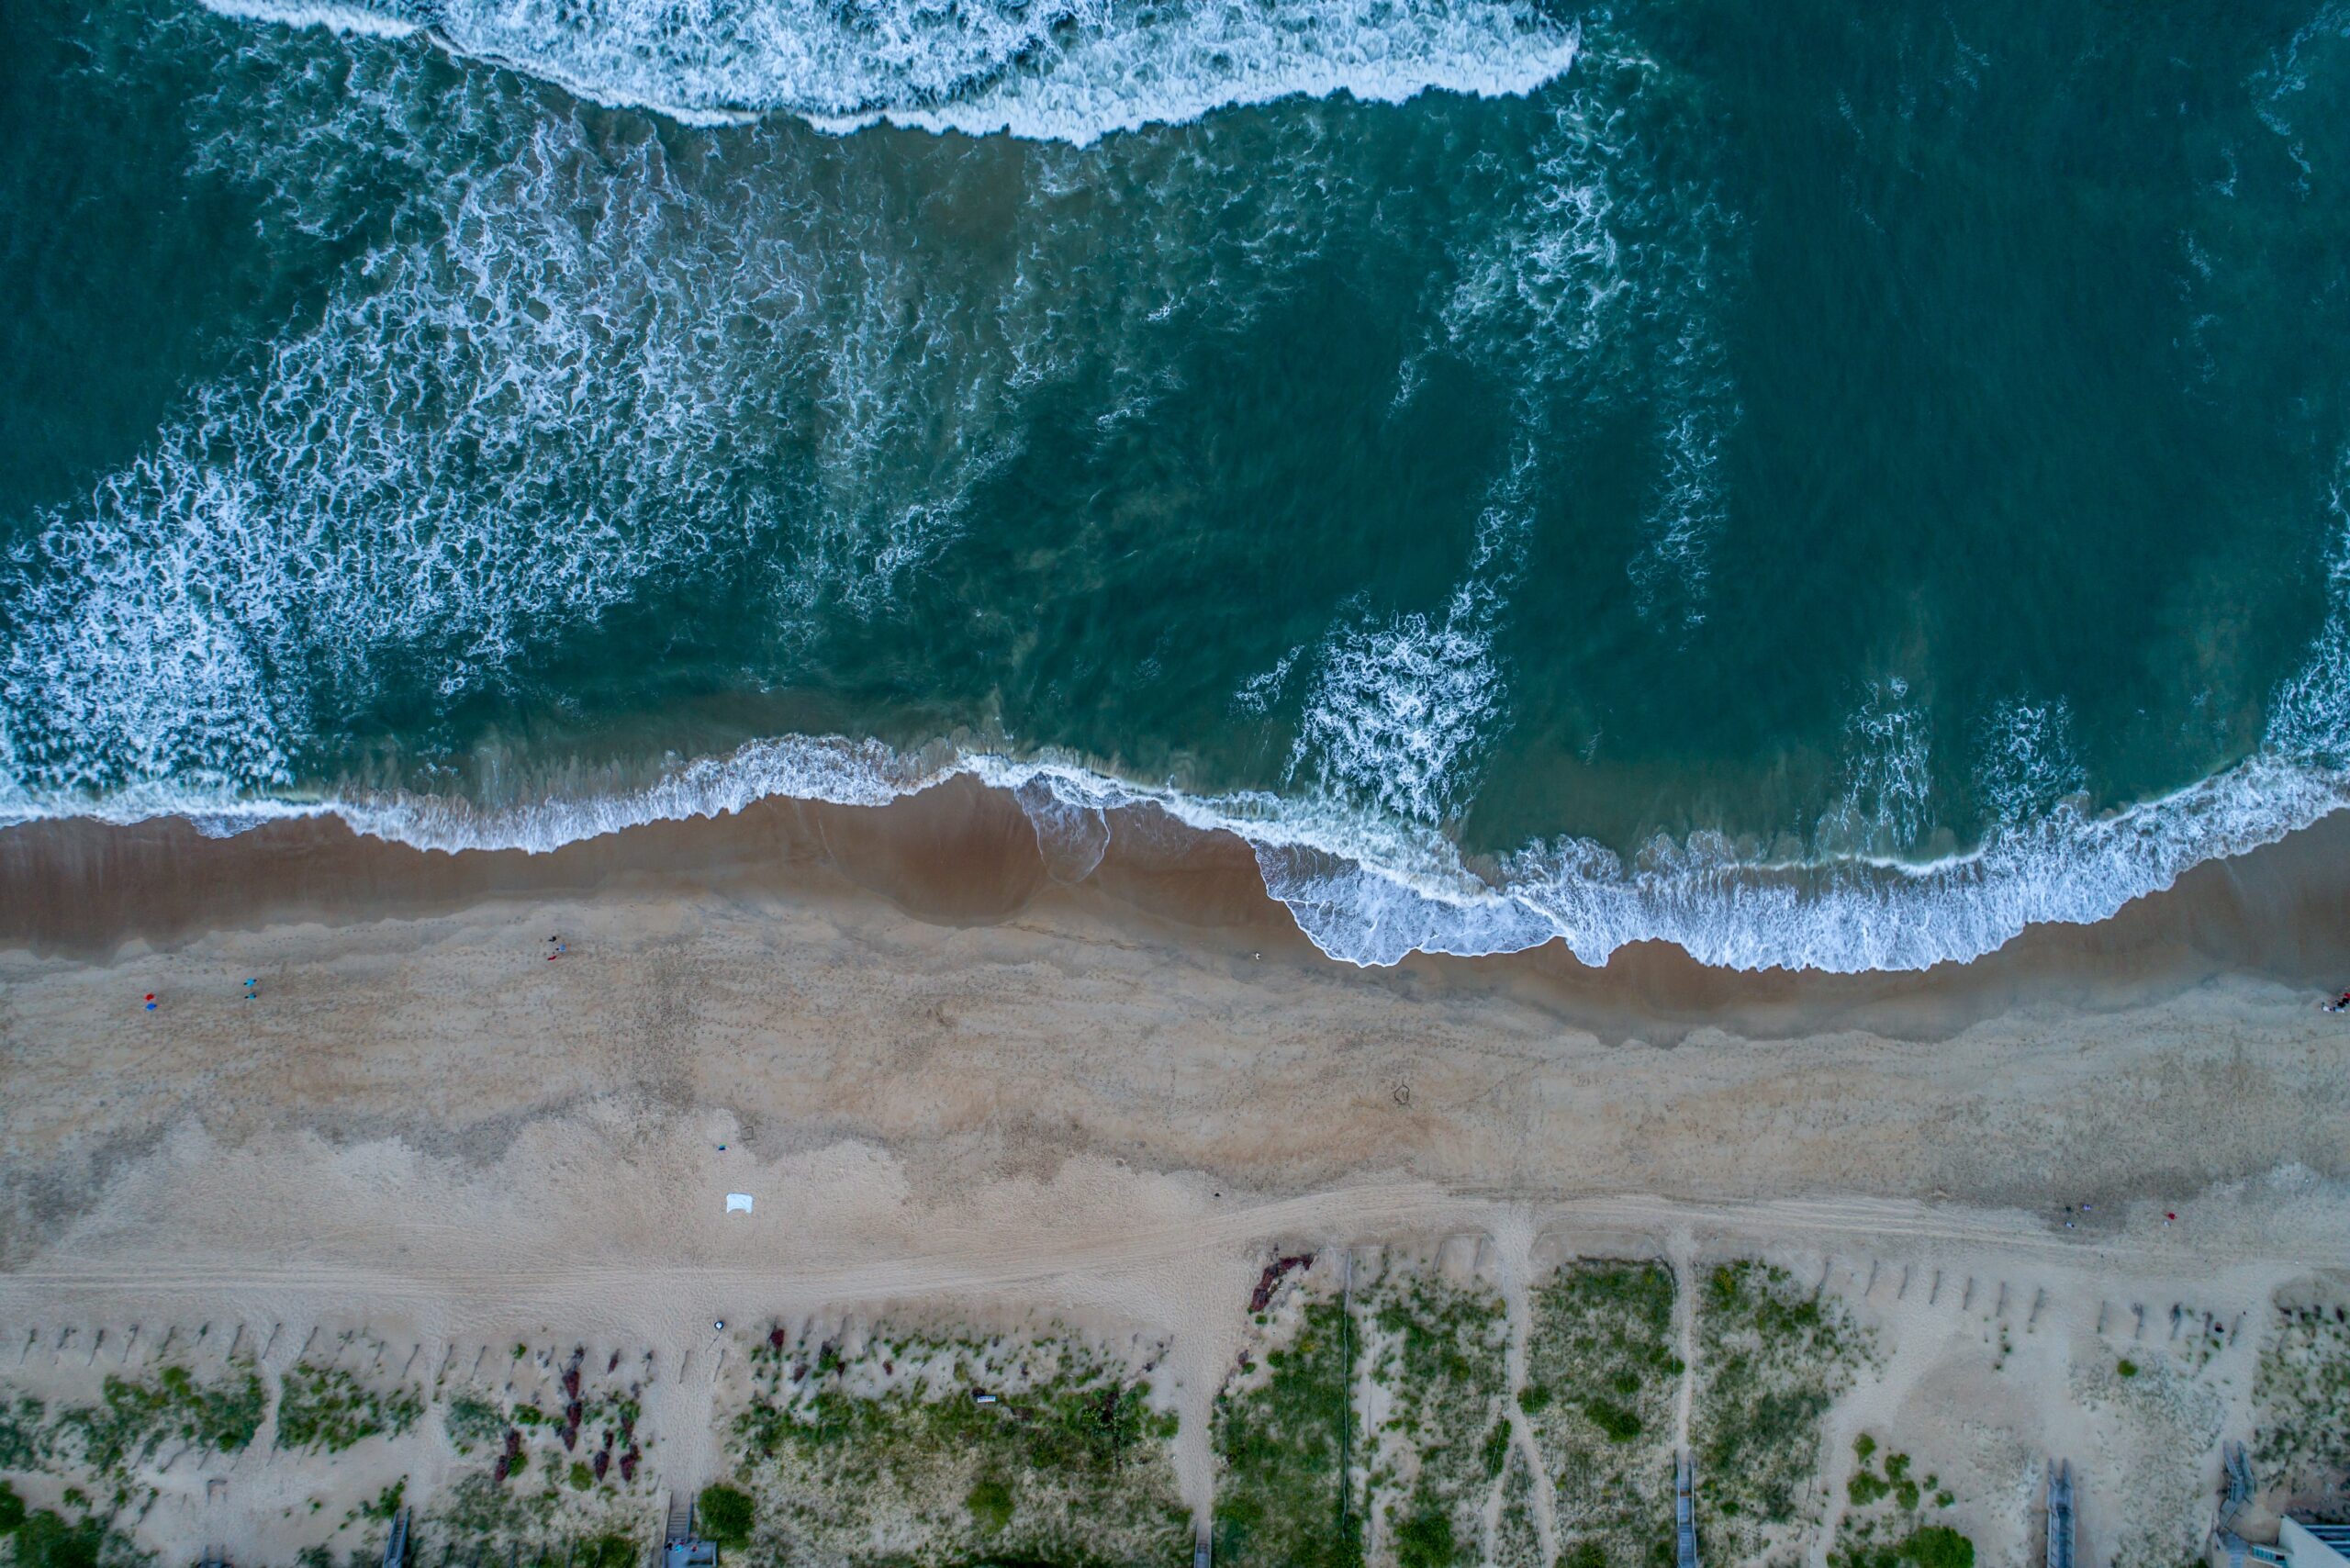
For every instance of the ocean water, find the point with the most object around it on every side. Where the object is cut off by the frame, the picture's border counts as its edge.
(1824, 484)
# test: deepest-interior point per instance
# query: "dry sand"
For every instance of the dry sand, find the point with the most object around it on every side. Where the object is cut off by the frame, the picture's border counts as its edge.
(985, 1094)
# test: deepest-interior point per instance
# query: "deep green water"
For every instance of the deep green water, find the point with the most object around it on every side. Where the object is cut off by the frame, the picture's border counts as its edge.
(1814, 482)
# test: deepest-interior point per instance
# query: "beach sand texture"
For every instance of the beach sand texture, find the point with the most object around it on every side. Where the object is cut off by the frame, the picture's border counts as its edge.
(985, 1097)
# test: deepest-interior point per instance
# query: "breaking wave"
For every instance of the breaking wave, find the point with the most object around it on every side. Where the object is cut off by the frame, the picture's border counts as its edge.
(1371, 889)
(1370, 886)
(1058, 69)
(1403, 712)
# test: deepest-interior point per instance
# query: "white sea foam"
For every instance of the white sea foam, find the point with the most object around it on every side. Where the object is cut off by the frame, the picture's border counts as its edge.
(1371, 886)
(381, 492)
(1597, 282)
(1550, 278)
(1260, 691)
(1404, 708)
(2031, 760)
(534, 400)
(392, 22)
(1400, 708)
(1885, 801)
(1673, 566)
(2310, 717)
(1061, 70)
(1370, 890)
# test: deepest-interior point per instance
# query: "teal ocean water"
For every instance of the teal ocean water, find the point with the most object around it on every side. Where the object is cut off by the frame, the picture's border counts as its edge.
(1825, 484)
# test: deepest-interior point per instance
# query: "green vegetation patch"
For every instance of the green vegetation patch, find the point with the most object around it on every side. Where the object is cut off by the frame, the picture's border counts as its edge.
(923, 1451)
(1601, 1379)
(22, 1441)
(1771, 1357)
(474, 1423)
(543, 1525)
(66, 1538)
(480, 1511)
(47, 1540)
(1926, 1546)
(1441, 1353)
(135, 1417)
(725, 1514)
(1869, 1486)
(2301, 1387)
(991, 1506)
(327, 1407)
(1283, 1447)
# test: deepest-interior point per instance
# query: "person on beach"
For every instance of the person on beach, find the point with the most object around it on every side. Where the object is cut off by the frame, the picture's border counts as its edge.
(2339, 1004)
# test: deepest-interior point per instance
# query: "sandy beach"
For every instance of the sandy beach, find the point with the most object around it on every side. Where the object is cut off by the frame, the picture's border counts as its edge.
(955, 1088)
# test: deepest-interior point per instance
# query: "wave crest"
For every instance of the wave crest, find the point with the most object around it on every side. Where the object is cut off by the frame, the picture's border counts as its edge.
(1060, 70)
(1371, 889)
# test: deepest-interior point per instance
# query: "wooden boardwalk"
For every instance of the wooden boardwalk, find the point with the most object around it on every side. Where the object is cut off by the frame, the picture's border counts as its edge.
(2236, 1469)
(1684, 1510)
(2060, 1515)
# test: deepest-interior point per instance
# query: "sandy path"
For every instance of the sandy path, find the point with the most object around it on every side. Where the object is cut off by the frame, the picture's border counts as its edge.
(1513, 1240)
(1682, 1252)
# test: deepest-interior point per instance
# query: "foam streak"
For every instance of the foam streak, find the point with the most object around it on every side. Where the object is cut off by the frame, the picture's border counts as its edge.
(1369, 890)
(1068, 70)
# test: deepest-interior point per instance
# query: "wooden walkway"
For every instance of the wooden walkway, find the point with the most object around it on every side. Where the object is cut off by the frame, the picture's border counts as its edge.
(1684, 1509)
(2060, 1515)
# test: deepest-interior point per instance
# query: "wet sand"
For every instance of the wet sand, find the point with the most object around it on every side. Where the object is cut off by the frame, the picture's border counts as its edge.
(961, 855)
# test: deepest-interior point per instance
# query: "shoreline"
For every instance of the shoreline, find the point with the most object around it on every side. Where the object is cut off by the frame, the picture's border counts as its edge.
(961, 852)
(911, 976)
(1365, 889)
(964, 1093)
